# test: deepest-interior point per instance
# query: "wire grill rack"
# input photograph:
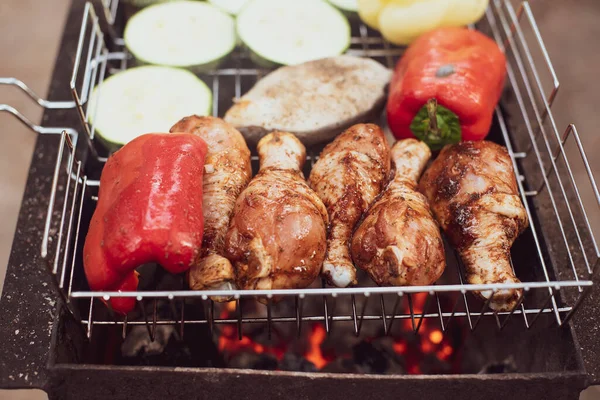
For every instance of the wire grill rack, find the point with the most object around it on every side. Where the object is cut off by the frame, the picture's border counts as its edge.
(545, 179)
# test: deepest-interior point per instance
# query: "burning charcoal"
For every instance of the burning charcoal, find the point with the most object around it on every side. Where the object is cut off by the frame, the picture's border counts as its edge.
(138, 349)
(292, 362)
(397, 363)
(373, 358)
(138, 340)
(502, 367)
(340, 341)
(251, 360)
(194, 349)
(341, 366)
(259, 332)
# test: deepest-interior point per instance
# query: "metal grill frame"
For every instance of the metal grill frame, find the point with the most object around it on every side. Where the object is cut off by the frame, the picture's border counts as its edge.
(65, 229)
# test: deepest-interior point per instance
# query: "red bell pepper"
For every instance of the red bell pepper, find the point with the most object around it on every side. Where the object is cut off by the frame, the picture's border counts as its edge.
(445, 87)
(149, 210)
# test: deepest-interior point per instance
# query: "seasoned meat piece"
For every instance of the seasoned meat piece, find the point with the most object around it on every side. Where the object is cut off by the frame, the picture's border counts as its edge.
(227, 171)
(350, 173)
(398, 242)
(473, 193)
(315, 100)
(276, 239)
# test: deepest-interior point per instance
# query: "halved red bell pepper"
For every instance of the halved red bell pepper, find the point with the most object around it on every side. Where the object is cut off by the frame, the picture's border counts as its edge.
(149, 210)
(445, 87)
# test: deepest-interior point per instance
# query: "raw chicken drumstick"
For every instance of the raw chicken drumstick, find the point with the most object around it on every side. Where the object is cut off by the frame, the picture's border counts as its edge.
(399, 243)
(276, 239)
(473, 193)
(350, 173)
(227, 171)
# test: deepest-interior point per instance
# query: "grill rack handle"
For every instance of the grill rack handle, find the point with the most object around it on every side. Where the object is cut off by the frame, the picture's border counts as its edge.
(46, 104)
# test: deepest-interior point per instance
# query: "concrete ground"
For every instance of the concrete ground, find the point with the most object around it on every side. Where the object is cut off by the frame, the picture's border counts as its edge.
(29, 36)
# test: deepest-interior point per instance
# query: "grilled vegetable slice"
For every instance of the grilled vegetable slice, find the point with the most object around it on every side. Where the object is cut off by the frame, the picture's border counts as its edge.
(189, 34)
(145, 99)
(292, 32)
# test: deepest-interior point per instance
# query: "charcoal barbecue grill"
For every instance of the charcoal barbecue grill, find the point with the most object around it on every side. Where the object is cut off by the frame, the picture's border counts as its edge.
(59, 336)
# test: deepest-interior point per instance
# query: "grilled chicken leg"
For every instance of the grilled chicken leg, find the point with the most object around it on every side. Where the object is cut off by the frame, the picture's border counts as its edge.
(350, 173)
(473, 193)
(276, 239)
(398, 243)
(227, 172)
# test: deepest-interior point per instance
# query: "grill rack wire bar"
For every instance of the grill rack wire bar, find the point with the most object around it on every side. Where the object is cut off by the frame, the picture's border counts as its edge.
(545, 182)
(505, 27)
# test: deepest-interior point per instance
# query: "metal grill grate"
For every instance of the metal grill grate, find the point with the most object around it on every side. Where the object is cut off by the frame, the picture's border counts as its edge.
(552, 290)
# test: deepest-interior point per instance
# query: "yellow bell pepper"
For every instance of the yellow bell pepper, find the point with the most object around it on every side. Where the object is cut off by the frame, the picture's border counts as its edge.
(402, 21)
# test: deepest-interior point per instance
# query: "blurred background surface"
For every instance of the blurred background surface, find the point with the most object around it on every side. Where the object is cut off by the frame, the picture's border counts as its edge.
(30, 32)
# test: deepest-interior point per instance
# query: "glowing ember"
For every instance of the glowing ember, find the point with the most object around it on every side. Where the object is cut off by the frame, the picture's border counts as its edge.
(426, 346)
(230, 343)
(436, 337)
(430, 341)
(418, 351)
(233, 345)
(414, 369)
(314, 353)
(399, 347)
(445, 352)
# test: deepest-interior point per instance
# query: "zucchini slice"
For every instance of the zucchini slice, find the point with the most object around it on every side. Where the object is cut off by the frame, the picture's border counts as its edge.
(143, 100)
(292, 32)
(232, 7)
(187, 34)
